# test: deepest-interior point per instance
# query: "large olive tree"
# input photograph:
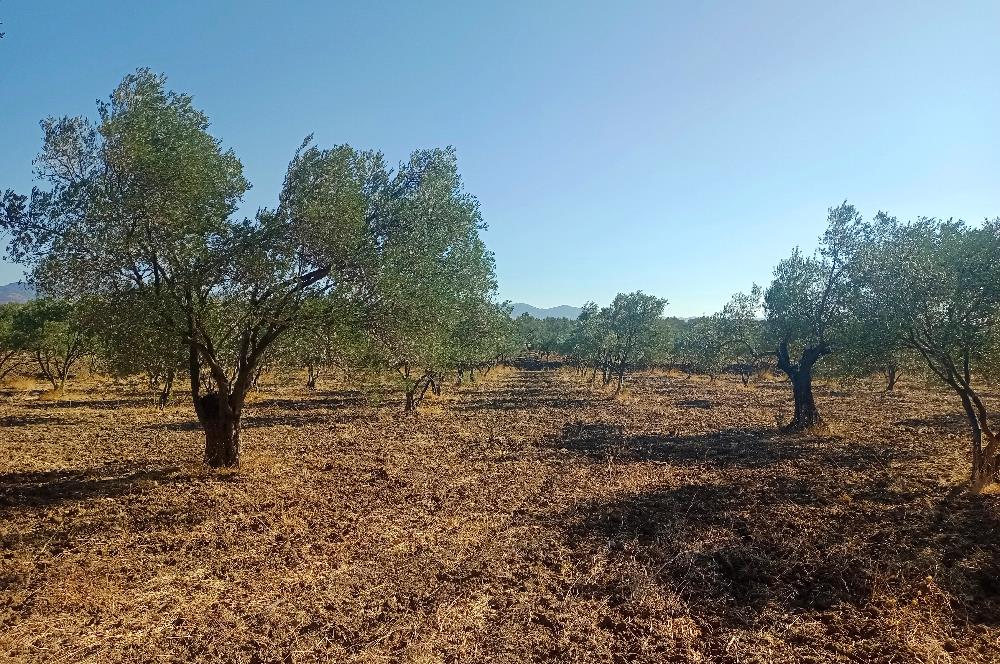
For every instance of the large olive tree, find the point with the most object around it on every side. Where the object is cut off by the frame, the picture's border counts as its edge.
(807, 305)
(139, 207)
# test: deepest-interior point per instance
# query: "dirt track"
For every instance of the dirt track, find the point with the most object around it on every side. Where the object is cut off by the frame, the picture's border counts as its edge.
(526, 518)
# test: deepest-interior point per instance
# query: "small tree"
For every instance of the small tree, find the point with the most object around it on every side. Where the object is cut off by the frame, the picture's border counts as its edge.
(869, 349)
(933, 287)
(632, 323)
(12, 354)
(806, 306)
(545, 336)
(55, 333)
(128, 342)
(741, 329)
(329, 333)
(700, 347)
(434, 273)
(483, 335)
(590, 339)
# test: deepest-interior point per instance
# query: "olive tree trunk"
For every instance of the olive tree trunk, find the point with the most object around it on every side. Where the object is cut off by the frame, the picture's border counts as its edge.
(985, 443)
(800, 375)
(219, 410)
(222, 431)
(806, 413)
(891, 376)
(167, 389)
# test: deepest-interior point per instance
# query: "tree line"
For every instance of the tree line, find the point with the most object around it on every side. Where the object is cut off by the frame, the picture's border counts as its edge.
(134, 239)
(876, 296)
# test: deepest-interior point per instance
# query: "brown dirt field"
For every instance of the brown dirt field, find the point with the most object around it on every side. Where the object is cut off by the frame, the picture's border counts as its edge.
(526, 518)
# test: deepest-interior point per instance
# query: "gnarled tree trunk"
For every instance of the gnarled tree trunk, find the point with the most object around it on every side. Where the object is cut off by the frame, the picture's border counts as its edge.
(219, 413)
(985, 443)
(222, 431)
(800, 375)
(806, 413)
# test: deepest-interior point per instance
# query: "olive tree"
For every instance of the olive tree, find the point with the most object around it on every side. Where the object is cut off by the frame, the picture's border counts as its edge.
(741, 329)
(328, 333)
(433, 274)
(631, 321)
(55, 333)
(700, 346)
(545, 336)
(589, 341)
(807, 305)
(484, 334)
(128, 342)
(12, 355)
(933, 287)
(139, 206)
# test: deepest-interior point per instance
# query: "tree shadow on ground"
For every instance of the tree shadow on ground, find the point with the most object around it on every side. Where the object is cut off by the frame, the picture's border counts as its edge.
(520, 398)
(44, 488)
(535, 364)
(33, 420)
(738, 552)
(956, 424)
(265, 420)
(292, 418)
(695, 403)
(780, 524)
(750, 447)
(93, 404)
(315, 400)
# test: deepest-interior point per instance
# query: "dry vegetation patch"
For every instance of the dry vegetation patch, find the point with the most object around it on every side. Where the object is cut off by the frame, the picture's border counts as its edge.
(524, 517)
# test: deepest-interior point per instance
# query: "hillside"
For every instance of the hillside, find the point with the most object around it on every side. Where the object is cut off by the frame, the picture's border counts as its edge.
(15, 292)
(562, 311)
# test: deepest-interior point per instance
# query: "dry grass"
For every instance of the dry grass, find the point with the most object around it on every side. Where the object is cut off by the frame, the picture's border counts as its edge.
(526, 517)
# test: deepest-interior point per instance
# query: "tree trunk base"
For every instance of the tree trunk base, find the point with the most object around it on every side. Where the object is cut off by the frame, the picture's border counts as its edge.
(985, 466)
(222, 434)
(807, 426)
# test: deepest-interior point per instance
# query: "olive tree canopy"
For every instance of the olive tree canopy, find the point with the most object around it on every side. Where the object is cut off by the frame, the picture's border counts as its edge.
(933, 287)
(139, 207)
(807, 306)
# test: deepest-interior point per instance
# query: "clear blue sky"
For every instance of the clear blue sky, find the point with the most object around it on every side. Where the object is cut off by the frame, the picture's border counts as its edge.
(681, 148)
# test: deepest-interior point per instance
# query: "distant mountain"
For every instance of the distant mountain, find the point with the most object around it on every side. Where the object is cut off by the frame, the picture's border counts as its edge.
(16, 292)
(563, 311)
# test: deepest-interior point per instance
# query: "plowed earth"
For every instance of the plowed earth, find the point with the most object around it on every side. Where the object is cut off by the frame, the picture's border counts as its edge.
(526, 518)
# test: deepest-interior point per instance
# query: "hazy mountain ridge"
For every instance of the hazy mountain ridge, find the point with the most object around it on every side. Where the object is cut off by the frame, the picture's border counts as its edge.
(16, 292)
(562, 311)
